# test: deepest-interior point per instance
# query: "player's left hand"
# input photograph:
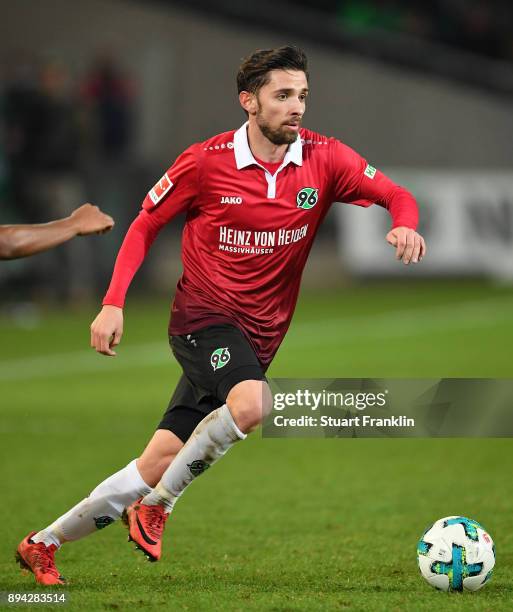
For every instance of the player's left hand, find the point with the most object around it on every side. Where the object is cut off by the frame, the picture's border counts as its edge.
(410, 247)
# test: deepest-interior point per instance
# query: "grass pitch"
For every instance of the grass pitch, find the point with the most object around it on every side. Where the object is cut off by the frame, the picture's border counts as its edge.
(277, 524)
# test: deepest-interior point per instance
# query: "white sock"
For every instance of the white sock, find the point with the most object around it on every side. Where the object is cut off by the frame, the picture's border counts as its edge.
(216, 433)
(104, 505)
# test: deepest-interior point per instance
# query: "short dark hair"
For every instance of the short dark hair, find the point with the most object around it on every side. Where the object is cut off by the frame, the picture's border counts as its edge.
(254, 70)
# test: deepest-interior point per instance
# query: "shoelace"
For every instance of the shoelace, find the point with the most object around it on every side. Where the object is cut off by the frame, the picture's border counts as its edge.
(156, 520)
(43, 560)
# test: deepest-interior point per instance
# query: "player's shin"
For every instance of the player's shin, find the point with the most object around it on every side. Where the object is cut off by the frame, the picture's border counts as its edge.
(101, 508)
(211, 439)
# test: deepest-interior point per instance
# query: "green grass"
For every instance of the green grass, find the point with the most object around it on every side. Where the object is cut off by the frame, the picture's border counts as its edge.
(278, 524)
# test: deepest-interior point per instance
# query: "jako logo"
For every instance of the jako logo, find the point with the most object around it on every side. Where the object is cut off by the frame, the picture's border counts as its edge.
(231, 200)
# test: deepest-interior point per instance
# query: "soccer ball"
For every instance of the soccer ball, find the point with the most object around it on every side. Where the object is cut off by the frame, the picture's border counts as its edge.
(456, 554)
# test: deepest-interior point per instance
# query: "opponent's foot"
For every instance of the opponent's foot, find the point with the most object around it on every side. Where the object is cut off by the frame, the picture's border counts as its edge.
(39, 559)
(145, 528)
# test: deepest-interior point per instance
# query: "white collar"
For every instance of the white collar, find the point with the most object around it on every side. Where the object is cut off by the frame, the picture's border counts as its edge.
(244, 157)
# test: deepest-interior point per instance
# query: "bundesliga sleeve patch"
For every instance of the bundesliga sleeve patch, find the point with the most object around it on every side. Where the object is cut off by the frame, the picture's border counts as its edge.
(370, 171)
(160, 189)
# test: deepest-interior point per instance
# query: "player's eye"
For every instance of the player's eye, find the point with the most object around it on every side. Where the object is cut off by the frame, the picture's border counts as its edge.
(282, 96)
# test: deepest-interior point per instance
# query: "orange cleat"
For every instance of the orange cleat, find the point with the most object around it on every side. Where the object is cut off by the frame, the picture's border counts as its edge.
(145, 528)
(39, 559)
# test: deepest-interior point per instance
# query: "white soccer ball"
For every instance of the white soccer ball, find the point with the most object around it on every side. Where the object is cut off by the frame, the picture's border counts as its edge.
(456, 554)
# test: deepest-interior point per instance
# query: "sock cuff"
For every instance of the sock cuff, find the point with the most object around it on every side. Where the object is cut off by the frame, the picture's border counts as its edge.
(138, 480)
(227, 419)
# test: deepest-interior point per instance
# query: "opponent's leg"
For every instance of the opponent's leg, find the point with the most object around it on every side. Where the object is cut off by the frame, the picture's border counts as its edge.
(247, 404)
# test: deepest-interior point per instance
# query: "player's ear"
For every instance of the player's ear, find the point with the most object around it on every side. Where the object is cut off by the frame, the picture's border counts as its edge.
(248, 102)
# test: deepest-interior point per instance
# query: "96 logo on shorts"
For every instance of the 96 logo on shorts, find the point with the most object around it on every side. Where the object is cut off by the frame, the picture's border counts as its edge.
(219, 358)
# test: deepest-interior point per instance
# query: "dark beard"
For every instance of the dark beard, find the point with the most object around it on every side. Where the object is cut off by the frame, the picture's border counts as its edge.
(279, 136)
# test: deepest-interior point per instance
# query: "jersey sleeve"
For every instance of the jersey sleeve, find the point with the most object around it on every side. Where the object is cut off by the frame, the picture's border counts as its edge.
(173, 194)
(357, 182)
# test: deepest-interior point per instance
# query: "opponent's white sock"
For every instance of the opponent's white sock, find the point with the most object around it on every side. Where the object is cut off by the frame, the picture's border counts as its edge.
(103, 506)
(213, 436)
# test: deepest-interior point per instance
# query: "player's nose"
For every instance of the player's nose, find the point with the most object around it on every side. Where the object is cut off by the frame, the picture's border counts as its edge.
(296, 107)
(296, 114)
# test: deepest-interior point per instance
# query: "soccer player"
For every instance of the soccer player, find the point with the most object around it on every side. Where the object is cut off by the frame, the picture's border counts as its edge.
(254, 199)
(24, 240)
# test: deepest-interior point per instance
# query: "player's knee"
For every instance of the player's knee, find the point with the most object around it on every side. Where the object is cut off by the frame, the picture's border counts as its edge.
(249, 402)
(248, 417)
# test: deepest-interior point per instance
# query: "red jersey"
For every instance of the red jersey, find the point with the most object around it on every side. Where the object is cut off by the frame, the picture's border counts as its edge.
(248, 232)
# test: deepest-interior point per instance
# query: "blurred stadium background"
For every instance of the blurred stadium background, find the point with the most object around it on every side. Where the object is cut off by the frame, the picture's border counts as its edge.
(97, 99)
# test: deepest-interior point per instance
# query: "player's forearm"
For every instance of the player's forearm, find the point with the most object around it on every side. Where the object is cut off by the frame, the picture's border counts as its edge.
(134, 249)
(24, 240)
(402, 207)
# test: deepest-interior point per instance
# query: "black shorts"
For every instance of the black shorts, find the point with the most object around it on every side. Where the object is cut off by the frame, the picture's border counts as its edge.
(214, 359)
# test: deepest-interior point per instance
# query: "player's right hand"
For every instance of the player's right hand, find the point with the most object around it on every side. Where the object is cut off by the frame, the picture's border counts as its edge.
(89, 219)
(410, 247)
(106, 330)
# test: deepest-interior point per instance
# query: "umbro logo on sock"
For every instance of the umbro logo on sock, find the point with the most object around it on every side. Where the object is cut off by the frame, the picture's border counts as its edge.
(103, 521)
(197, 467)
